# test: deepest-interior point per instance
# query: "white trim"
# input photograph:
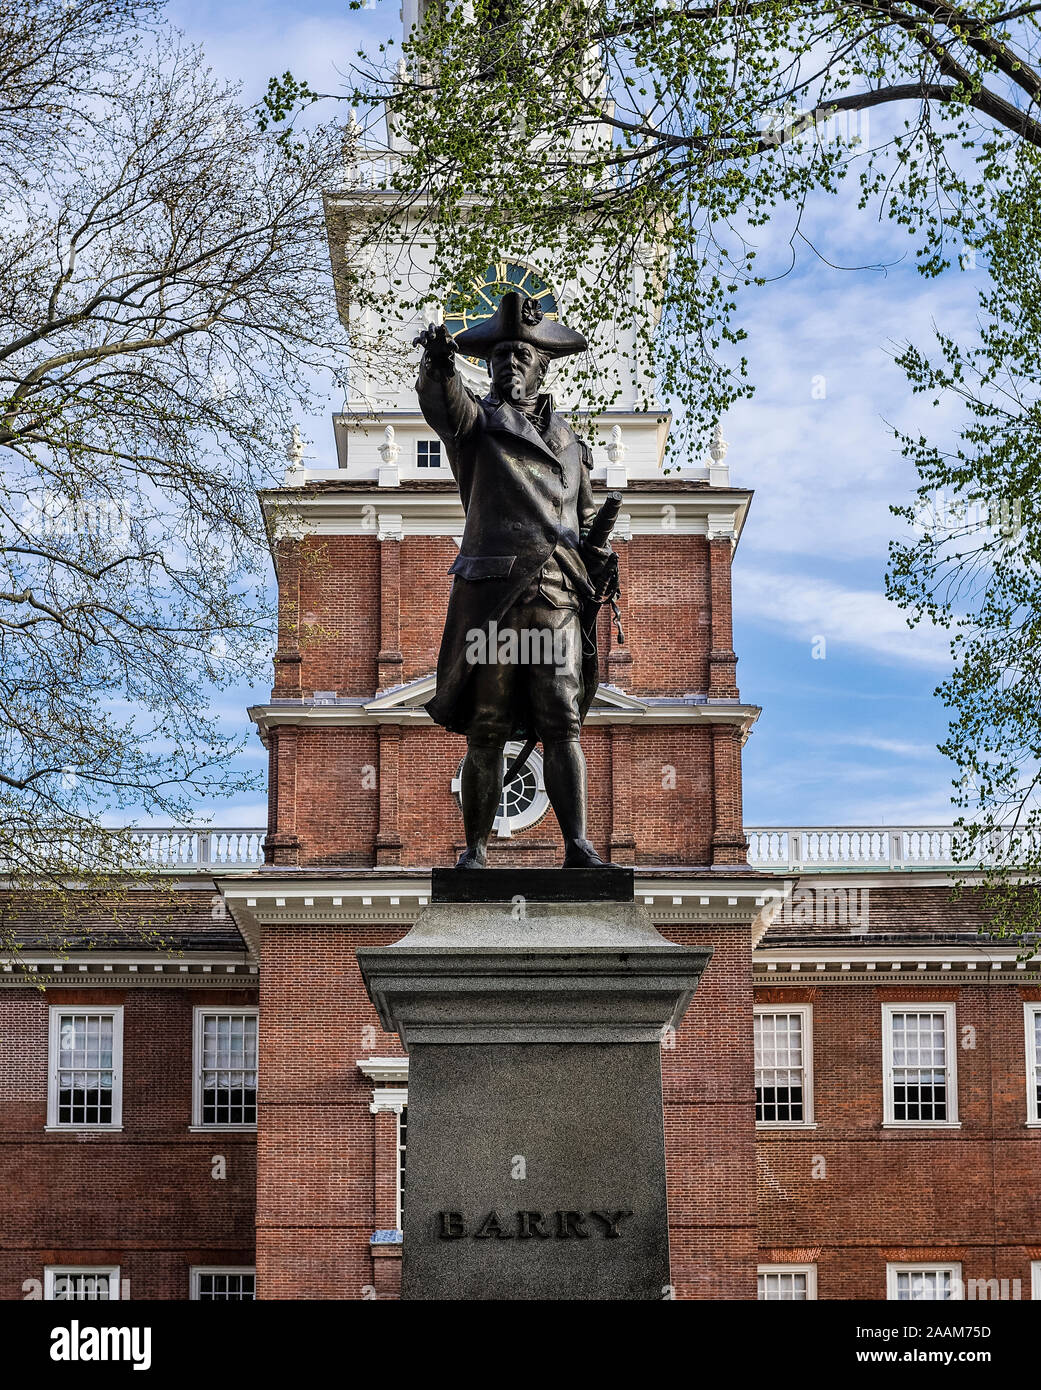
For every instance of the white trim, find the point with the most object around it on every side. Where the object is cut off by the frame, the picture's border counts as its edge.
(952, 1267)
(718, 897)
(423, 469)
(1035, 1279)
(805, 1011)
(348, 511)
(505, 826)
(197, 1270)
(950, 1064)
(810, 1271)
(201, 1012)
(782, 959)
(348, 713)
(397, 1167)
(113, 1011)
(1031, 1010)
(52, 1272)
(385, 1069)
(86, 969)
(392, 1099)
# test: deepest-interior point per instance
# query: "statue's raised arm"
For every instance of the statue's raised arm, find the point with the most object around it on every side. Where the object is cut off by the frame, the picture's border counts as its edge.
(518, 656)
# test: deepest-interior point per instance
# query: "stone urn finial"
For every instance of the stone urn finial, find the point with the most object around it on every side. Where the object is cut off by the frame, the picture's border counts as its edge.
(719, 446)
(295, 455)
(295, 448)
(616, 446)
(390, 449)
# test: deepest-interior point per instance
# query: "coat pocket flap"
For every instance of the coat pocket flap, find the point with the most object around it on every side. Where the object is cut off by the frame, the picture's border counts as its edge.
(482, 566)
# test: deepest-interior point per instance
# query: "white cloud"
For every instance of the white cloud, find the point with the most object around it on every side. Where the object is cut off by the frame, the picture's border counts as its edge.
(808, 608)
(899, 748)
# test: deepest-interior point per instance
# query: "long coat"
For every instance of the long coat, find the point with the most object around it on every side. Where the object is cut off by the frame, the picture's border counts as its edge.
(526, 496)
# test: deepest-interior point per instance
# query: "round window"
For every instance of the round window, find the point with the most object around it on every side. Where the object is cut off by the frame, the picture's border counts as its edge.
(524, 800)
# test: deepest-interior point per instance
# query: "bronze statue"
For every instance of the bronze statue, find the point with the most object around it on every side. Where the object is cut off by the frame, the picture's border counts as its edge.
(518, 655)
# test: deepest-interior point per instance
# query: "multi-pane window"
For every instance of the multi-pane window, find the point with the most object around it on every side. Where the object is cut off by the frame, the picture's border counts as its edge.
(921, 1084)
(68, 1283)
(787, 1283)
(402, 1139)
(225, 1090)
(224, 1285)
(923, 1283)
(84, 1086)
(428, 453)
(783, 1073)
(1032, 1017)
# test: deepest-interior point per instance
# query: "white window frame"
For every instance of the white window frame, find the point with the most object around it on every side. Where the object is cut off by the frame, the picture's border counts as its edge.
(399, 1150)
(950, 1057)
(1035, 1279)
(200, 1013)
(951, 1267)
(113, 1011)
(431, 468)
(198, 1270)
(53, 1272)
(1030, 1012)
(811, 1281)
(808, 1120)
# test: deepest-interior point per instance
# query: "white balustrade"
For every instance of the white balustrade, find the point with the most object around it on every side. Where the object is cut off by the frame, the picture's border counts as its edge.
(778, 848)
(192, 847)
(854, 846)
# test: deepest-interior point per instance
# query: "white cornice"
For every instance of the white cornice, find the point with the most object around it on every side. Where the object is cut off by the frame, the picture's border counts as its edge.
(879, 964)
(384, 1070)
(389, 1099)
(404, 705)
(198, 970)
(663, 511)
(256, 901)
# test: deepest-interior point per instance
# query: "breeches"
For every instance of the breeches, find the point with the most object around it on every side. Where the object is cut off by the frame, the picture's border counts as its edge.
(534, 672)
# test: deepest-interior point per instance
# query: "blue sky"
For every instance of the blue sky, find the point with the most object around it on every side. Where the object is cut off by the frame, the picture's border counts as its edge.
(844, 740)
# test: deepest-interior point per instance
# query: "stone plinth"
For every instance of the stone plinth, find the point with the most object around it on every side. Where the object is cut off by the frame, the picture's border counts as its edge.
(533, 1023)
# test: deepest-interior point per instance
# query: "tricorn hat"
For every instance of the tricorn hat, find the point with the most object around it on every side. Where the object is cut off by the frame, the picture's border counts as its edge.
(519, 319)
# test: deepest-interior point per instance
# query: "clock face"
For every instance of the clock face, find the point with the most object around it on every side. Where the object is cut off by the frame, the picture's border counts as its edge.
(465, 308)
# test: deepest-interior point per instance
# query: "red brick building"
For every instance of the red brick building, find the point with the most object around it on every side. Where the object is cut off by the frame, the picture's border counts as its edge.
(176, 1116)
(201, 1104)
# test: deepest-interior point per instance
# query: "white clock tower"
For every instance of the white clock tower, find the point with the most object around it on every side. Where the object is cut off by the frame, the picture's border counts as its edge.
(364, 547)
(628, 440)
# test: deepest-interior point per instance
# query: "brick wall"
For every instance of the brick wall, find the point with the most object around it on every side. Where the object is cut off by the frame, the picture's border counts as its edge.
(354, 792)
(360, 615)
(144, 1199)
(709, 1087)
(883, 1195)
(325, 1164)
(316, 1192)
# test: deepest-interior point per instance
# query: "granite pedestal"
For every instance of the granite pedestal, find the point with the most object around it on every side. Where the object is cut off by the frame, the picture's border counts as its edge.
(532, 1005)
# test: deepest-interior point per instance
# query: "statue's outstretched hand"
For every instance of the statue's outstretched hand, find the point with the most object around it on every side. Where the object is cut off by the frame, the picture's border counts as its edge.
(438, 348)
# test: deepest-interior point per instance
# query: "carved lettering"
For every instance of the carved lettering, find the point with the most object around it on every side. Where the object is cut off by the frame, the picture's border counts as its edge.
(452, 1225)
(529, 1223)
(491, 1226)
(611, 1220)
(571, 1223)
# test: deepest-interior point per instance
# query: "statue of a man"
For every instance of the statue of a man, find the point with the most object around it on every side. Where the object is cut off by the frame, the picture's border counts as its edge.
(524, 567)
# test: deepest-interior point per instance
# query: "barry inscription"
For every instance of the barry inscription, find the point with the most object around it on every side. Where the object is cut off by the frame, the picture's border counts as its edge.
(528, 1225)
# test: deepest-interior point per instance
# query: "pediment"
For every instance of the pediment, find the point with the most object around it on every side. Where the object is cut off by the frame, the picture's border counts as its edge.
(610, 697)
(414, 694)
